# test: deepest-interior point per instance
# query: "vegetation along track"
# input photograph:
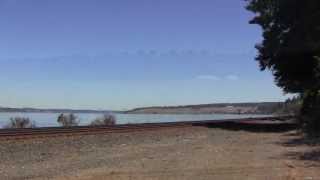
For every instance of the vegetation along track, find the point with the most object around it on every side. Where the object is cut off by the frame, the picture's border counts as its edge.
(87, 130)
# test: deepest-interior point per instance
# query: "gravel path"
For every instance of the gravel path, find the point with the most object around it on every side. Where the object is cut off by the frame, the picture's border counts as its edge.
(184, 153)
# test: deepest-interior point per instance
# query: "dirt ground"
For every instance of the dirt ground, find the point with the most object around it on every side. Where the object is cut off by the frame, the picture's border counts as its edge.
(194, 153)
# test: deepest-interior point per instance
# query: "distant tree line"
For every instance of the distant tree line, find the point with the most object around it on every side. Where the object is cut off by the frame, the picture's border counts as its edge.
(261, 107)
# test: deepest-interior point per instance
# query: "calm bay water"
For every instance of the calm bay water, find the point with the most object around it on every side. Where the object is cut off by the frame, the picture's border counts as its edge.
(50, 119)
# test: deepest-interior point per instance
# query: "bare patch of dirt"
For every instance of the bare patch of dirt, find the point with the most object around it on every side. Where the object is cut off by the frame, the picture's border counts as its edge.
(183, 153)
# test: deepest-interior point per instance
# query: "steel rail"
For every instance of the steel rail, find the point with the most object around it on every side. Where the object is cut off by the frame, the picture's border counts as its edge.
(82, 130)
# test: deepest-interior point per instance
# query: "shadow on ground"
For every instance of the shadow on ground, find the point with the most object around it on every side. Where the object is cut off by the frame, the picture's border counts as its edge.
(300, 140)
(252, 127)
(311, 156)
(305, 149)
(302, 148)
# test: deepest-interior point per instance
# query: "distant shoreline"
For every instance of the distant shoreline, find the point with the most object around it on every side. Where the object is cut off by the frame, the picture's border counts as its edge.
(263, 108)
(34, 110)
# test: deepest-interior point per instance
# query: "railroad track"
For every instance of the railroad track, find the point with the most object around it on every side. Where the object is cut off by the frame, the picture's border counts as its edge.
(87, 130)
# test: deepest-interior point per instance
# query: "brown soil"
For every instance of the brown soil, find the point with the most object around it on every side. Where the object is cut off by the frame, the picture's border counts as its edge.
(184, 153)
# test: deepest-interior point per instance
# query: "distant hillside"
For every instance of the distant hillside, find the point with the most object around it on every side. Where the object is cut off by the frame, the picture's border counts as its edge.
(223, 108)
(35, 110)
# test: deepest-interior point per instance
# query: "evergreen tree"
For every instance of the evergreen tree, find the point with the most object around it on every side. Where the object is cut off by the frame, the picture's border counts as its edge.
(291, 48)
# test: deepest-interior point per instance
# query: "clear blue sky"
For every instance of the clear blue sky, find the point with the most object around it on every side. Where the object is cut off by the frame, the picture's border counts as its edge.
(119, 54)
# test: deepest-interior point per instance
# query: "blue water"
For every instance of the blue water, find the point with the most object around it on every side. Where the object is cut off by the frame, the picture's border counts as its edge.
(50, 119)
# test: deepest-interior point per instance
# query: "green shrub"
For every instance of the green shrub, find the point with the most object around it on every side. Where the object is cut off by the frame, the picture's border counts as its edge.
(105, 120)
(20, 122)
(68, 120)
